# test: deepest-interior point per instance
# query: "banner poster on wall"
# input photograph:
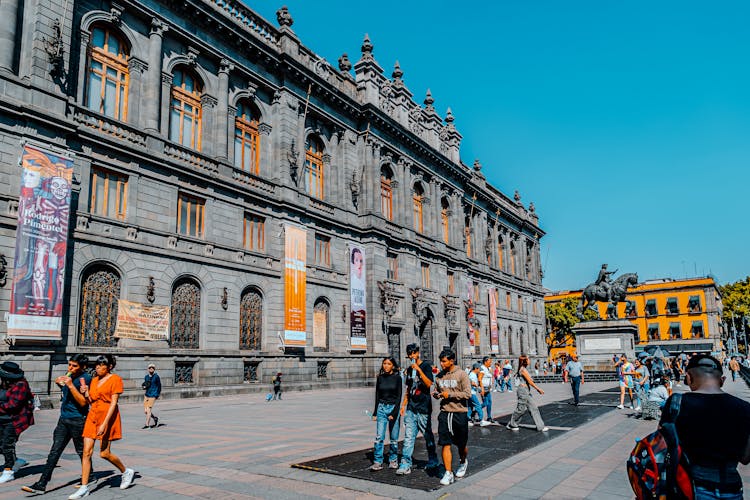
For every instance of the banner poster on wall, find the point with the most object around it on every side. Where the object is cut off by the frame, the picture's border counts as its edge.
(295, 279)
(470, 311)
(494, 338)
(41, 245)
(357, 284)
(141, 321)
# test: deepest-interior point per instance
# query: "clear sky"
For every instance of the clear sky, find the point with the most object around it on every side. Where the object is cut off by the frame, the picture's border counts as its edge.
(626, 123)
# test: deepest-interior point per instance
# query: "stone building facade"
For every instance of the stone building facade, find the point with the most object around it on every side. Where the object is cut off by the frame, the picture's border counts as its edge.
(199, 130)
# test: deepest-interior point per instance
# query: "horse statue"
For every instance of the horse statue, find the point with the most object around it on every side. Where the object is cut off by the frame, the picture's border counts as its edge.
(616, 293)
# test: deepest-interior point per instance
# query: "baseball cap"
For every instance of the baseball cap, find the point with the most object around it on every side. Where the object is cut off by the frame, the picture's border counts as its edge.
(151, 365)
(412, 348)
(476, 366)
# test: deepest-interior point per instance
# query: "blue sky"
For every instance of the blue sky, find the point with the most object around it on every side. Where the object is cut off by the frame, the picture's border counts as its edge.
(626, 123)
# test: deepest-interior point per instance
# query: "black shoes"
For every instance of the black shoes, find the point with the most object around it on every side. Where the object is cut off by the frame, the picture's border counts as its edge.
(36, 488)
(156, 421)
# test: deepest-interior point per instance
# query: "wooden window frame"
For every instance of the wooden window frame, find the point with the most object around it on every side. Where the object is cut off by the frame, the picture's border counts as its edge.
(393, 265)
(322, 250)
(314, 170)
(253, 232)
(500, 252)
(508, 301)
(246, 131)
(418, 211)
(119, 64)
(105, 176)
(184, 99)
(451, 283)
(445, 222)
(425, 267)
(200, 228)
(386, 197)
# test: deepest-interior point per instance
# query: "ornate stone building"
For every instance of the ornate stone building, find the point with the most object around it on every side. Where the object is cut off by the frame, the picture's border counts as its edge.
(199, 131)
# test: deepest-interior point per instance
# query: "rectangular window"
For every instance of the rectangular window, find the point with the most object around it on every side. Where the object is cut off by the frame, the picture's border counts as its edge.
(672, 307)
(520, 303)
(392, 273)
(451, 284)
(475, 287)
(697, 330)
(467, 237)
(694, 304)
(109, 192)
(191, 216)
(533, 307)
(386, 198)
(322, 250)
(445, 223)
(246, 145)
(425, 275)
(651, 308)
(630, 311)
(674, 331)
(507, 301)
(653, 331)
(253, 232)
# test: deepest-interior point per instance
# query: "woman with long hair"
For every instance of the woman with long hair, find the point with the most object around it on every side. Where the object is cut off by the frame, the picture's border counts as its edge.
(102, 423)
(386, 412)
(525, 403)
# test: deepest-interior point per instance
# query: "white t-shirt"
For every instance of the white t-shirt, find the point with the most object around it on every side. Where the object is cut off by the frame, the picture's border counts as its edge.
(474, 379)
(658, 393)
(486, 377)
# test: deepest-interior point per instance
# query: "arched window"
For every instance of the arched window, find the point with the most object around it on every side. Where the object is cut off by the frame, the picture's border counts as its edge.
(512, 258)
(320, 325)
(186, 314)
(418, 202)
(467, 235)
(251, 320)
(247, 138)
(500, 252)
(314, 167)
(100, 289)
(185, 112)
(386, 192)
(511, 350)
(445, 220)
(107, 74)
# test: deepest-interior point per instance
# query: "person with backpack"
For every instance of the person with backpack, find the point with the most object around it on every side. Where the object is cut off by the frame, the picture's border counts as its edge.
(276, 381)
(16, 413)
(152, 386)
(713, 429)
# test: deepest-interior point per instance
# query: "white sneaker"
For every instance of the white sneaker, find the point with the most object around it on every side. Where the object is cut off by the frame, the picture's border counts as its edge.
(545, 429)
(447, 478)
(127, 478)
(461, 471)
(512, 427)
(7, 475)
(620, 407)
(471, 424)
(483, 423)
(637, 408)
(81, 492)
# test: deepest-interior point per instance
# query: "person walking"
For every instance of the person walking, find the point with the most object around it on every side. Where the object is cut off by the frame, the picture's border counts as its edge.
(525, 403)
(416, 410)
(642, 383)
(102, 423)
(574, 371)
(276, 381)
(475, 406)
(485, 388)
(497, 376)
(16, 413)
(713, 450)
(536, 368)
(386, 412)
(734, 367)
(152, 386)
(507, 370)
(73, 411)
(625, 373)
(454, 391)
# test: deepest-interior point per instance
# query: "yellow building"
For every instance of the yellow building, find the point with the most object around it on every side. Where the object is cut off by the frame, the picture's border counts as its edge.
(680, 315)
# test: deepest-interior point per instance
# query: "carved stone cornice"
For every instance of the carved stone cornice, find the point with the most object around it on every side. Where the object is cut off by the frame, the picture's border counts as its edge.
(137, 65)
(225, 66)
(158, 27)
(389, 299)
(452, 306)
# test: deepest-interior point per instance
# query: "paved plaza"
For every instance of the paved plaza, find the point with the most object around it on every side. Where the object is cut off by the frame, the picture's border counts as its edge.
(242, 447)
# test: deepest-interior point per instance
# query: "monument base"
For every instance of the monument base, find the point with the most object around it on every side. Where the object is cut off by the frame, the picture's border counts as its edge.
(598, 341)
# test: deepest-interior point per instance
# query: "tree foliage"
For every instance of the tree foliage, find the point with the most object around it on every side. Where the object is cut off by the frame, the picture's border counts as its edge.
(561, 317)
(736, 299)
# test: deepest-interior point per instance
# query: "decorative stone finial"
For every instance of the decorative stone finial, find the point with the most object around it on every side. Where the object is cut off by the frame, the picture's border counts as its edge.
(397, 73)
(478, 166)
(532, 208)
(367, 47)
(344, 63)
(283, 17)
(449, 117)
(428, 100)
(517, 197)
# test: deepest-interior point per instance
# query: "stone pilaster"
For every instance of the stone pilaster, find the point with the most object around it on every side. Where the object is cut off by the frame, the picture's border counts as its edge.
(8, 37)
(222, 105)
(152, 90)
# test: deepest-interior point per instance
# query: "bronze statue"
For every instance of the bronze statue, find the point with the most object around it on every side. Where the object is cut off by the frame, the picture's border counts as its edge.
(606, 290)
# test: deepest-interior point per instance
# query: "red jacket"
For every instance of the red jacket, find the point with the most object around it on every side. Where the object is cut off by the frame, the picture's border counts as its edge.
(20, 406)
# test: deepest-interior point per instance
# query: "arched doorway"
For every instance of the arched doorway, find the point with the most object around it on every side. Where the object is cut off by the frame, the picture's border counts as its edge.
(321, 311)
(251, 320)
(100, 289)
(186, 314)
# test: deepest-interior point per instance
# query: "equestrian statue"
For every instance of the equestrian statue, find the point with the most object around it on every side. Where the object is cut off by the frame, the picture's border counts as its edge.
(605, 290)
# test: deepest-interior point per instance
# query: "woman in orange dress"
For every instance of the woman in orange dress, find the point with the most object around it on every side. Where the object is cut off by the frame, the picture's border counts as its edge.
(102, 423)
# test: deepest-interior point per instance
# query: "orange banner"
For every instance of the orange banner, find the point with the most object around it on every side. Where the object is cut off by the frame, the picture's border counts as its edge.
(295, 279)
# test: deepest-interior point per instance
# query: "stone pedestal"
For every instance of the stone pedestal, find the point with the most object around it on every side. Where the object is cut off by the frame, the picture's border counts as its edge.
(598, 341)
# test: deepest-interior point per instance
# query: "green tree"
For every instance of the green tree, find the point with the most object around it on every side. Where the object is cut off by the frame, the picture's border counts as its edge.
(561, 317)
(736, 300)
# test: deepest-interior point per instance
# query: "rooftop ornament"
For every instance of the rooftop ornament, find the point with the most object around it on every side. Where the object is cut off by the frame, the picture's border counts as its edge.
(344, 63)
(283, 17)
(367, 47)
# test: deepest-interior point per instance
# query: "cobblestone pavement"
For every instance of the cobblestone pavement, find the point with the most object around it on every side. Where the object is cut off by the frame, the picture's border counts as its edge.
(241, 447)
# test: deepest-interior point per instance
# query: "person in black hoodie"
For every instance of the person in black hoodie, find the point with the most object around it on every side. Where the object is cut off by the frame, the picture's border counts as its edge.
(386, 412)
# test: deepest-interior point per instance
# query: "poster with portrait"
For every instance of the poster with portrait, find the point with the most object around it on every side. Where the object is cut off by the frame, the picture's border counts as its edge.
(41, 245)
(494, 337)
(295, 282)
(358, 298)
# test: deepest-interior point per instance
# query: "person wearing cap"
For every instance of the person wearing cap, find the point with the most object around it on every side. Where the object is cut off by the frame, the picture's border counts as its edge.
(475, 406)
(73, 411)
(16, 413)
(276, 380)
(152, 386)
(713, 428)
(416, 410)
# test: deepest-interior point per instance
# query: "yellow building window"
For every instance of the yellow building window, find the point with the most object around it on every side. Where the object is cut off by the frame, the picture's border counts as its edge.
(694, 304)
(246, 139)
(653, 331)
(674, 331)
(185, 112)
(697, 330)
(651, 308)
(107, 74)
(672, 307)
(109, 192)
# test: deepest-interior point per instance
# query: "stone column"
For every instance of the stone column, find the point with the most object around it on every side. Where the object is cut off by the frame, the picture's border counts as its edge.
(222, 103)
(152, 90)
(8, 18)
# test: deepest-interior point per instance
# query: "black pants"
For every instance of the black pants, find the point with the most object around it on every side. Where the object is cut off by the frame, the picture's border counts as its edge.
(277, 391)
(8, 440)
(67, 429)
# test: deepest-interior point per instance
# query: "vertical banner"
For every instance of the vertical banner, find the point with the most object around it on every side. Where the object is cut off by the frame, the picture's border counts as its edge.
(295, 280)
(494, 338)
(470, 311)
(358, 296)
(41, 245)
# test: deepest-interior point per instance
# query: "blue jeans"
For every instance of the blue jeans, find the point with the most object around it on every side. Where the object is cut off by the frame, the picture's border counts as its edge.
(702, 493)
(487, 402)
(475, 406)
(413, 424)
(641, 393)
(506, 382)
(575, 383)
(383, 422)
